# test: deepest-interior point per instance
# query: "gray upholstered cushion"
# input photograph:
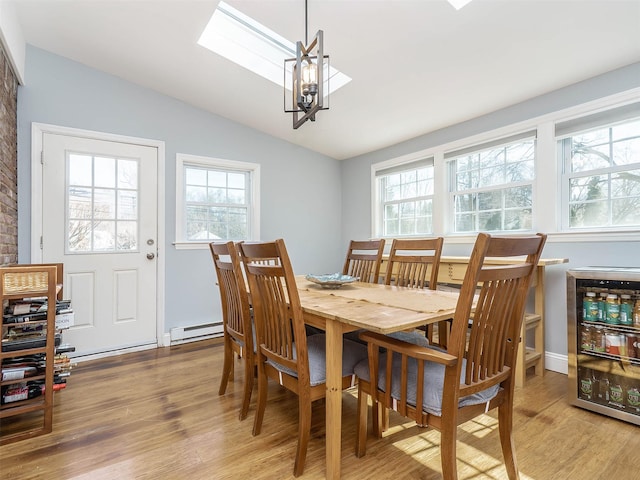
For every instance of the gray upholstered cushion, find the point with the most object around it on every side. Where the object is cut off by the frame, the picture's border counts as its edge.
(417, 338)
(414, 337)
(433, 383)
(352, 353)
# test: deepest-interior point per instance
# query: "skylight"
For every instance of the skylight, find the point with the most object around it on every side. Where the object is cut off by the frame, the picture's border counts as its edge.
(241, 39)
(458, 4)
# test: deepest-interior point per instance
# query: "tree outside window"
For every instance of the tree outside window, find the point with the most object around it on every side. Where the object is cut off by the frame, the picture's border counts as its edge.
(602, 176)
(492, 186)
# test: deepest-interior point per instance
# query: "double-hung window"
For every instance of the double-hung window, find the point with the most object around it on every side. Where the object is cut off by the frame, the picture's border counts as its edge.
(217, 199)
(405, 199)
(600, 158)
(491, 185)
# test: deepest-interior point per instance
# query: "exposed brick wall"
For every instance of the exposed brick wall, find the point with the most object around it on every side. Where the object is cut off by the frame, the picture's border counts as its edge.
(8, 163)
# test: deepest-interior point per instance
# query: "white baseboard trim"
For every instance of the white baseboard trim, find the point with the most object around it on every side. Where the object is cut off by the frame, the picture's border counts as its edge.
(556, 362)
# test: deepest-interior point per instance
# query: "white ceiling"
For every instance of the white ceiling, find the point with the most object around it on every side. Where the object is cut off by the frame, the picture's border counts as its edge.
(417, 65)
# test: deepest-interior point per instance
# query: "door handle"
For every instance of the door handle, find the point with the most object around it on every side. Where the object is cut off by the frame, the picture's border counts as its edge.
(151, 256)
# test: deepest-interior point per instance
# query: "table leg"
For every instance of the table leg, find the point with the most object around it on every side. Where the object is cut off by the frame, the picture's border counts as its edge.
(334, 399)
(540, 310)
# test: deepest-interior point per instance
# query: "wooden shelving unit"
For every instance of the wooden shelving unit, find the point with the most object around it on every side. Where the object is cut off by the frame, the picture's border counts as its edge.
(17, 283)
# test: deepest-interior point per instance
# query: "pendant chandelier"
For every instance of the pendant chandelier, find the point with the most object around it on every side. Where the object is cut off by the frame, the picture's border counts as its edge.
(307, 72)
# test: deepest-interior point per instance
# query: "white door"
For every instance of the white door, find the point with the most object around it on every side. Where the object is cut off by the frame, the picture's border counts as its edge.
(100, 219)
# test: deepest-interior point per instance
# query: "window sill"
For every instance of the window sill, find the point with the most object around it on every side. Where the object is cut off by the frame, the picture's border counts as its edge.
(191, 245)
(595, 236)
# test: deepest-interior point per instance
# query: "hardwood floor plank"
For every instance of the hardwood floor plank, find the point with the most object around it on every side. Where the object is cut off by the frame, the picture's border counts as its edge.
(156, 415)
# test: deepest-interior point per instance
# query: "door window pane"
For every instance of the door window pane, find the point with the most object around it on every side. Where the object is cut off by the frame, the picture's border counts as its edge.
(127, 205)
(104, 236)
(127, 236)
(105, 175)
(104, 203)
(80, 171)
(79, 236)
(127, 174)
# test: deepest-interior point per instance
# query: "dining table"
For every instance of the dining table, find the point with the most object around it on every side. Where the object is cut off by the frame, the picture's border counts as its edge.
(353, 306)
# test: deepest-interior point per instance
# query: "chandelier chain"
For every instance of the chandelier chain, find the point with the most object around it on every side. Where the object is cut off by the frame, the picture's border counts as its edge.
(306, 24)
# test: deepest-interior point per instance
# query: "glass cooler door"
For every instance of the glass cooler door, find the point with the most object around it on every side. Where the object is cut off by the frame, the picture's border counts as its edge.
(603, 308)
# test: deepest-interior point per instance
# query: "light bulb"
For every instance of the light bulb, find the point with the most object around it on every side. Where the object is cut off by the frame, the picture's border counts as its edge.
(309, 79)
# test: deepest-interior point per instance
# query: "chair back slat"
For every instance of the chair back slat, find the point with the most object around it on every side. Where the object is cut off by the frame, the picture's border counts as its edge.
(363, 260)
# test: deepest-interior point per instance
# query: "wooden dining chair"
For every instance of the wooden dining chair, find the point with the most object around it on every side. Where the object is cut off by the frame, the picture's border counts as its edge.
(363, 260)
(285, 353)
(414, 263)
(476, 374)
(236, 318)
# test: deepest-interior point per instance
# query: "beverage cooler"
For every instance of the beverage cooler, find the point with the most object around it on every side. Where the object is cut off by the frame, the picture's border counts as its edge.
(603, 310)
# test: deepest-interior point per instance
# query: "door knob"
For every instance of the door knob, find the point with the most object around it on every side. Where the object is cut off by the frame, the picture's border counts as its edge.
(151, 256)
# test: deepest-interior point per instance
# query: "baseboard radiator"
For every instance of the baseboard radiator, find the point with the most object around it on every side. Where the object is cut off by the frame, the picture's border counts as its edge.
(196, 332)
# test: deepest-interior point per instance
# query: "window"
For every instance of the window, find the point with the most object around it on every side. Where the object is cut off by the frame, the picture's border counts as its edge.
(491, 185)
(405, 199)
(102, 204)
(600, 158)
(216, 199)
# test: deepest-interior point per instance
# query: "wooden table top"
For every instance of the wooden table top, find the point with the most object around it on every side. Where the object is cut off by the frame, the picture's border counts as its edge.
(375, 307)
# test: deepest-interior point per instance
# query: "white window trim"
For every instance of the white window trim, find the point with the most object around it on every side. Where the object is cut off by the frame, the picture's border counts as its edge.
(547, 204)
(212, 163)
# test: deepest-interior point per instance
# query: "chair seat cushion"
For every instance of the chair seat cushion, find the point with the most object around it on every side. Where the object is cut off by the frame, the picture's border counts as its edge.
(411, 337)
(416, 338)
(433, 383)
(352, 354)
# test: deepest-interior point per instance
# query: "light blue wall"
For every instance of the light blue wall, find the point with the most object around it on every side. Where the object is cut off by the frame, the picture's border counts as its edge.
(356, 190)
(61, 92)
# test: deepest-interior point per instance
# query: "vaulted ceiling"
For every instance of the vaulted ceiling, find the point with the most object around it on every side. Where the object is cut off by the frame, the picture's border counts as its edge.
(416, 65)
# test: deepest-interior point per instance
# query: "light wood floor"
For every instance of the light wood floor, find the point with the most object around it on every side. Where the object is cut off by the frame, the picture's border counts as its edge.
(157, 415)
